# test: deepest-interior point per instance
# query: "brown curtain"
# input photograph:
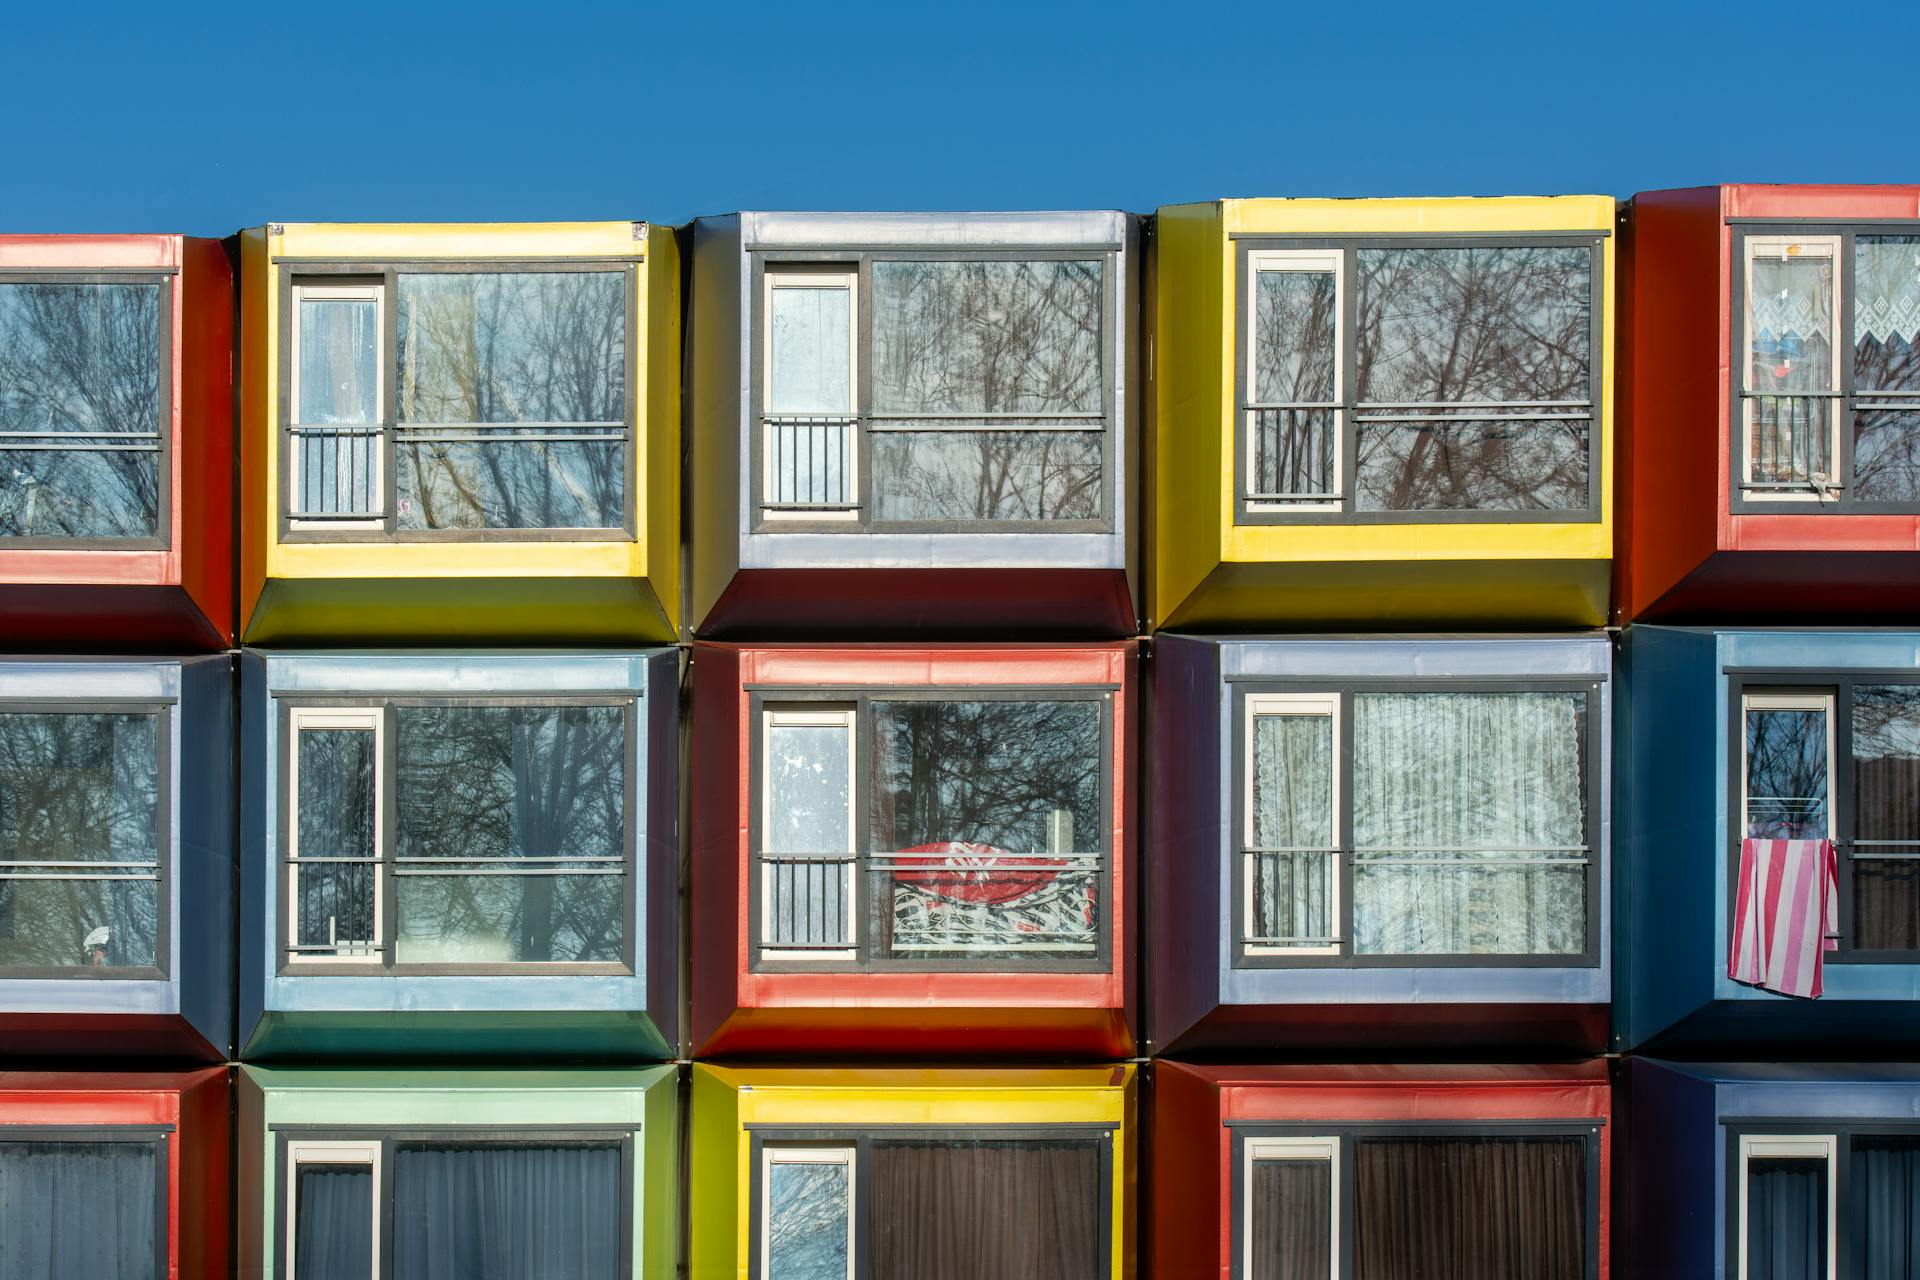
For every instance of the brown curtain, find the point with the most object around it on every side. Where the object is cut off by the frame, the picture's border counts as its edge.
(1469, 1209)
(1292, 1220)
(985, 1210)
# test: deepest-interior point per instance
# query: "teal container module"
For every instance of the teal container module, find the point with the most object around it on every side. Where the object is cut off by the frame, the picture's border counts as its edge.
(1810, 734)
(458, 1173)
(460, 854)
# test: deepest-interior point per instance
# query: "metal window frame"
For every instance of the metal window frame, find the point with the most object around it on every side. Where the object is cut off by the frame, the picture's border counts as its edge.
(289, 272)
(820, 276)
(158, 1137)
(1246, 246)
(1331, 262)
(1331, 707)
(1303, 1149)
(163, 711)
(770, 1154)
(865, 958)
(859, 1140)
(384, 1138)
(303, 288)
(371, 720)
(1749, 1146)
(167, 422)
(1345, 689)
(390, 704)
(335, 1152)
(858, 261)
(1346, 1134)
(1846, 393)
(1838, 686)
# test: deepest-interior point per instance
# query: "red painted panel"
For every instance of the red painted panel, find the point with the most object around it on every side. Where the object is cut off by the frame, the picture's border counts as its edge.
(872, 1031)
(953, 603)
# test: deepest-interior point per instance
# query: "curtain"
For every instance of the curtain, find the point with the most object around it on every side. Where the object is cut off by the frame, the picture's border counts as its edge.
(1886, 806)
(506, 1212)
(985, 1210)
(1470, 1209)
(1469, 823)
(1292, 1220)
(333, 1222)
(1885, 1192)
(79, 1209)
(1292, 808)
(1786, 1219)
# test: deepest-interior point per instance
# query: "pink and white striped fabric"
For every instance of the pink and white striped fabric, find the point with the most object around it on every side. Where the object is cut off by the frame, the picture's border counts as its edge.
(1785, 915)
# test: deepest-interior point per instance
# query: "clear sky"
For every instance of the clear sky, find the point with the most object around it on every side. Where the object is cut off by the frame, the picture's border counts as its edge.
(176, 117)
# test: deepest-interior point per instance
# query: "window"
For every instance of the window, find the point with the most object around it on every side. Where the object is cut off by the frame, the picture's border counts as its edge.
(936, 391)
(1397, 380)
(1787, 1208)
(929, 830)
(1373, 1204)
(1828, 377)
(1841, 762)
(446, 1203)
(506, 840)
(83, 1203)
(933, 1205)
(84, 417)
(1378, 823)
(489, 401)
(82, 829)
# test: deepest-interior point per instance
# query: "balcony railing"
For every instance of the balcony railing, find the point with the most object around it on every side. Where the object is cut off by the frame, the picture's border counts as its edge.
(337, 472)
(1790, 442)
(810, 463)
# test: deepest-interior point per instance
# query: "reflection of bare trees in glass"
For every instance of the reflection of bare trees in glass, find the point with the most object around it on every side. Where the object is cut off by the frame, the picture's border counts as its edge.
(1442, 328)
(1786, 775)
(807, 1208)
(512, 354)
(977, 349)
(80, 369)
(78, 788)
(541, 784)
(1294, 350)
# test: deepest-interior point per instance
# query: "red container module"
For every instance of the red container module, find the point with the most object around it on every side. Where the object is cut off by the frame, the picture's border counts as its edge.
(1770, 447)
(116, 466)
(917, 849)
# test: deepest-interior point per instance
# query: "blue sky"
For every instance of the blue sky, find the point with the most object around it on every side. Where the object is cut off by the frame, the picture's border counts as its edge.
(205, 119)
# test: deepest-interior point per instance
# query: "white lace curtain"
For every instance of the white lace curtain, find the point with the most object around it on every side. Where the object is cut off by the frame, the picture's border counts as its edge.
(1886, 288)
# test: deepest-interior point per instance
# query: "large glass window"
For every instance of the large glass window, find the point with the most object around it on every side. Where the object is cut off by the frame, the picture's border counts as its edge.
(509, 842)
(1829, 408)
(1397, 822)
(1383, 379)
(933, 1206)
(82, 424)
(510, 405)
(983, 835)
(982, 397)
(81, 836)
(82, 1205)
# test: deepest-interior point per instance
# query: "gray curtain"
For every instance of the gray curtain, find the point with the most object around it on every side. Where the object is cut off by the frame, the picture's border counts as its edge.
(333, 1222)
(1786, 1219)
(506, 1212)
(1293, 809)
(79, 1210)
(1885, 1192)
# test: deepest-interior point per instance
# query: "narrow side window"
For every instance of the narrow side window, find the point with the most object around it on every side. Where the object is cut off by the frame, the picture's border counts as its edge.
(810, 441)
(1787, 1201)
(1292, 824)
(333, 1190)
(806, 1213)
(334, 848)
(807, 833)
(1790, 369)
(1290, 1221)
(1787, 748)
(339, 376)
(1294, 420)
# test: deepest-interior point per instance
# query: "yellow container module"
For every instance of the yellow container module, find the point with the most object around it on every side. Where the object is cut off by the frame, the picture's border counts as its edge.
(1280, 497)
(455, 432)
(828, 1168)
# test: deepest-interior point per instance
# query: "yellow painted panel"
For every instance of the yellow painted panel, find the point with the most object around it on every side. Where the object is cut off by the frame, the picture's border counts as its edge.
(469, 610)
(256, 420)
(1588, 540)
(1419, 215)
(298, 560)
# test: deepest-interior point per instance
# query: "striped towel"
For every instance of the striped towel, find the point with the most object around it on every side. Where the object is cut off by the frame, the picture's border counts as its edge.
(1785, 915)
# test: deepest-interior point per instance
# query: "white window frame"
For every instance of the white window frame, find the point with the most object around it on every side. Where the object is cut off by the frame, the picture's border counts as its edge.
(1319, 705)
(820, 716)
(811, 276)
(355, 719)
(302, 1152)
(1784, 247)
(1824, 703)
(376, 294)
(771, 1156)
(1815, 1146)
(1270, 1150)
(1305, 261)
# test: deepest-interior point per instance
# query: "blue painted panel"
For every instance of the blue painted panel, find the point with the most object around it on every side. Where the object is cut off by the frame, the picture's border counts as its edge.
(204, 910)
(1670, 1155)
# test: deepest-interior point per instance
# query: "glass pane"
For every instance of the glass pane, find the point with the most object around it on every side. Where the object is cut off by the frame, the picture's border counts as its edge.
(512, 484)
(809, 811)
(333, 1222)
(810, 462)
(1886, 806)
(1454, 326)
(80, 371)
(511, 783)
(1885, 1187)
(1786, 774)
(812, 353)
(337, 820)
(79, 787)
(1292, 814)
(1470, 823)
(507, 1212)
(807, 1206)
(1787, 1219)
(988, 337)
(1466, 465)
(1488, 1208)
(339, 361)
(1294, 326)
(986, 1210)
(1791, 439)
(1292, 1206)
(80, 1209)
(1886, 455)
(1886, 313)
(986, 475)
(1790, 322)
(1293, 452)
